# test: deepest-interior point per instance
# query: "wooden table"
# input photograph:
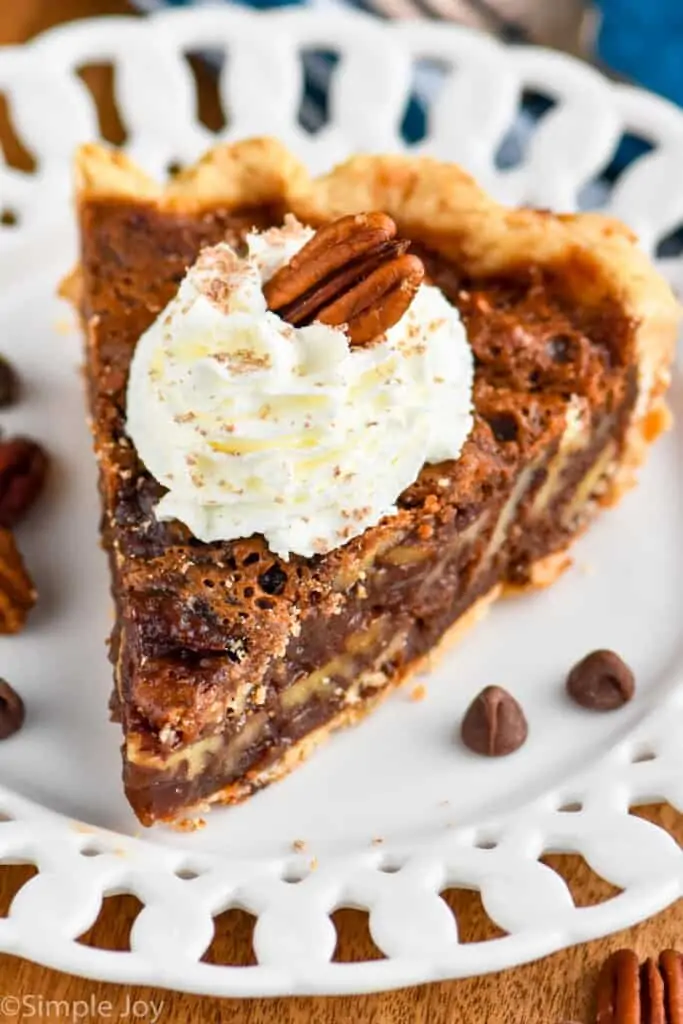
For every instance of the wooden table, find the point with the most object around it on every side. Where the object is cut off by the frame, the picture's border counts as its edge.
(552, 991)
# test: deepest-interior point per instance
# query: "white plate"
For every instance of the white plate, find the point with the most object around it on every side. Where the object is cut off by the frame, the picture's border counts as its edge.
(444, 816)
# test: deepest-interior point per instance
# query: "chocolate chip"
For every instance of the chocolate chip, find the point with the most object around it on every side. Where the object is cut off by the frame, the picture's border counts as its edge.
(601, 681)
(9, 384)
(494, 724)
(504, 426)
(273, 580)
(11, 711)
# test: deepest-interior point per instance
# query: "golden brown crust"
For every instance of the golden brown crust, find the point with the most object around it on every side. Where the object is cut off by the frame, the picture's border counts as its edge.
(247, 173)
(542, 574)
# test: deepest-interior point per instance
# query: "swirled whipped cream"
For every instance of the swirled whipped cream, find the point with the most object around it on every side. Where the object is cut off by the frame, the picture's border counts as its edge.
(255, 426)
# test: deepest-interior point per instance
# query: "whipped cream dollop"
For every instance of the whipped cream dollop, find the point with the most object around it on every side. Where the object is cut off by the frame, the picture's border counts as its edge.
(255, 426)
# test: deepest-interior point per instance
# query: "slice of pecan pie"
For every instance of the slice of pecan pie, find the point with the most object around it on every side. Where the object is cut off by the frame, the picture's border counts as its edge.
(232, 662)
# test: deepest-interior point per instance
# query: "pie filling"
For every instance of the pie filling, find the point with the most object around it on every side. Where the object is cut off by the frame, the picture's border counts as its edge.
(411, 595)
(230, 661)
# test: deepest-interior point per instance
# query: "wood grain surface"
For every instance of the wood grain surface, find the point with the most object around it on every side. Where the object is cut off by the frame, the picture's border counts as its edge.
(552, 991)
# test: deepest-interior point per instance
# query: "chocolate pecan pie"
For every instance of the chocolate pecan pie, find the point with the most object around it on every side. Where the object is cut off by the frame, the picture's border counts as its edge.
(232, 664)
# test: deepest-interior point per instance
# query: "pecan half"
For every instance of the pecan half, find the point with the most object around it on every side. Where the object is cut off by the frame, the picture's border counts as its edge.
(353, 273)
(23, 465)
(671, 966)
(17, 594)
(652, 1009)
(618, 994)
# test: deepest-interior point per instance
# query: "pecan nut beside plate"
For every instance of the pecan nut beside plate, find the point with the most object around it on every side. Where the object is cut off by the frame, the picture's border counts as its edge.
(652, 1010)
(671, 966)
(17, 593)
(618, 995)
(630, 994)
